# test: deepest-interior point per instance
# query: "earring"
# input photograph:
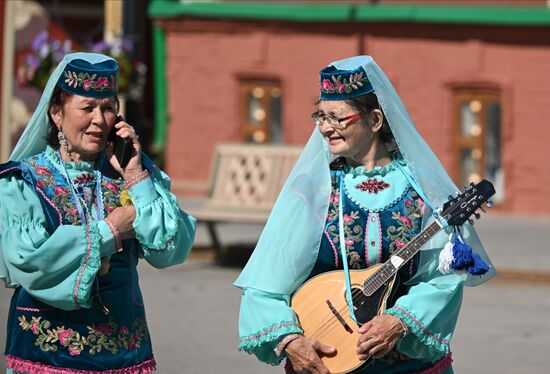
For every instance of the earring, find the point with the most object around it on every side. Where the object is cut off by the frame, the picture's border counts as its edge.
(63, 142)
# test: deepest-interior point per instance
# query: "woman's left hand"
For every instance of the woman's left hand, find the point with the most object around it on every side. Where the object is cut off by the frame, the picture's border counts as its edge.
(378, 336)
(124, 130)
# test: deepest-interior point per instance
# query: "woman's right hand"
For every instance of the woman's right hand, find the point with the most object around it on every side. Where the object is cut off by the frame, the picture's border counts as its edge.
(123, 218)
(303, 353)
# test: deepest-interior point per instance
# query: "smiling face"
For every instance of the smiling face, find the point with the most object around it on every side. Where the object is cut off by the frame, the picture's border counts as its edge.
(355, 140)
(86, 123)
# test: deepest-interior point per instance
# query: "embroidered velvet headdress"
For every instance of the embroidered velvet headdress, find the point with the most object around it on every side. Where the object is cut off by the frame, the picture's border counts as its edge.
(337, 84)
(84, 78)
(95, 75)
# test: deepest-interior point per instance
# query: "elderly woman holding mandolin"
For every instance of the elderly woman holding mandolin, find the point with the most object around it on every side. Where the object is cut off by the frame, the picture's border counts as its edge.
(361, 265)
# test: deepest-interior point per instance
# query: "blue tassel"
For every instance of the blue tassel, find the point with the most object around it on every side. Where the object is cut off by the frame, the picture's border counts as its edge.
(465, 259)
(462, 254)
(479, 267)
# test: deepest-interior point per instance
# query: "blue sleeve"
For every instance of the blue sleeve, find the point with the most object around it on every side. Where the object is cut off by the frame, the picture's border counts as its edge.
(165, 232)
(57, 269)
(264, 319)
(430, 310)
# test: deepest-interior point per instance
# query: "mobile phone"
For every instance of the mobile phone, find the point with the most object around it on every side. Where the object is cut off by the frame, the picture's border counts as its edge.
(123, 146)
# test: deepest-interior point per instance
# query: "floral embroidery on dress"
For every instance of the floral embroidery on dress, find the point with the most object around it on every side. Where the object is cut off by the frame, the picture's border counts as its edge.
(334, 203)
(84, 179)
(408, 224)
(372, 185)
(62, 198)
(111, 191)
(352, 234)
(106, 336)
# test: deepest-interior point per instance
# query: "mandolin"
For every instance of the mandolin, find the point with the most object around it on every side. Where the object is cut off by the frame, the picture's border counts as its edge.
(321, 303)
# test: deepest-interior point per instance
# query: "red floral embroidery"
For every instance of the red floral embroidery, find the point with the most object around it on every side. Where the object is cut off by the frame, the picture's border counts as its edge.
(84, 178)
(372, 186)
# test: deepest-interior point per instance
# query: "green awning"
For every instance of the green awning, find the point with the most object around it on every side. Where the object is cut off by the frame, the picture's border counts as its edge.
(338, 12)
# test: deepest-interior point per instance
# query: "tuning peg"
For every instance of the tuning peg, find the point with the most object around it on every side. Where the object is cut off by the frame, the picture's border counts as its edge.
(489, 204)
(483, 210)
(477, 215)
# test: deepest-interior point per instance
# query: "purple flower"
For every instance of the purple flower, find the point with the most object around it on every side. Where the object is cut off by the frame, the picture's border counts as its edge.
(40, 40)
(33, 61)
(44, 50)
(67, 46)
(99, 46)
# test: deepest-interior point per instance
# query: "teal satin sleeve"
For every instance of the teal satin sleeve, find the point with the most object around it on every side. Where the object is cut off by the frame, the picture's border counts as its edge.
(430, 310)
(57, 269)
(165, 232)
(260, 332)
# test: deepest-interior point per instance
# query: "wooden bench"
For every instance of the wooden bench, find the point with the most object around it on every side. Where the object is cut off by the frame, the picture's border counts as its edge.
(245, 180)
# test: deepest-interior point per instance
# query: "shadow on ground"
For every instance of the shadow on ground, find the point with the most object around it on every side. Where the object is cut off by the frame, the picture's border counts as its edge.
(234, 255)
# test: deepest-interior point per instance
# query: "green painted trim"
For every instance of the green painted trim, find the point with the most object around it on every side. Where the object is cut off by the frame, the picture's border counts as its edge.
(486, 15)
(160, 88)
(286, 12)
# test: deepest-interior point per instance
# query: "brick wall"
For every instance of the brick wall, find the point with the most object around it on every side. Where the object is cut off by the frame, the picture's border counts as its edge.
(204, 66)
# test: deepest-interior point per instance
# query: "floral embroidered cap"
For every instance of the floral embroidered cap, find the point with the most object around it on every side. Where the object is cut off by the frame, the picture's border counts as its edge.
(83, 78)
(344, 84)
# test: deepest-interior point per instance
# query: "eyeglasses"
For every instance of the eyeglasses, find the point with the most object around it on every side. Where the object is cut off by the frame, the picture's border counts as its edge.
(337, 123)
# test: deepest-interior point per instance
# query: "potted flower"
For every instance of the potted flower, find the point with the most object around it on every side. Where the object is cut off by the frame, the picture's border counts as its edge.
(47, 51)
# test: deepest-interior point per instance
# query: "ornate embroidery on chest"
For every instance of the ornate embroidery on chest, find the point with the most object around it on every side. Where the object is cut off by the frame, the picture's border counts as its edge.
(84, 179)
(372, 185)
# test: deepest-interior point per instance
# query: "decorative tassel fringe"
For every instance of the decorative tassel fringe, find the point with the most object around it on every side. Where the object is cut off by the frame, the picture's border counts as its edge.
(457, 255)
(446, 258)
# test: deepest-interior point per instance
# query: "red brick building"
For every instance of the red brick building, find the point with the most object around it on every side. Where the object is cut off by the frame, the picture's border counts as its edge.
(476, 80)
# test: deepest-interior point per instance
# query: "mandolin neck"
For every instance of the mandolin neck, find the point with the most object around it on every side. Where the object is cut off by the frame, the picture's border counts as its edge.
(399, 258)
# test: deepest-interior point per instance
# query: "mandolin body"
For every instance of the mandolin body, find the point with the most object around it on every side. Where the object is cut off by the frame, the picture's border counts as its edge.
(322, 309)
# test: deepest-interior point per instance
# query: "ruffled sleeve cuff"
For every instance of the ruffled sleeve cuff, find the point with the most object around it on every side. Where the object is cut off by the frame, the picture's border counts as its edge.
(436, 345)
(264, 343)
(143, 192)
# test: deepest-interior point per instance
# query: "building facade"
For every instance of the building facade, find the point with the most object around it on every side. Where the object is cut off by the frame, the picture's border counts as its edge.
(476, 81)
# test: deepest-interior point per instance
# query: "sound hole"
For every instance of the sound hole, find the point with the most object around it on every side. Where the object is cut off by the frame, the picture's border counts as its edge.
(366, 307)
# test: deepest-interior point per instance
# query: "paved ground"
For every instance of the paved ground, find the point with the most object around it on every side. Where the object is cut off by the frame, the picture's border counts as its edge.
(503, 327)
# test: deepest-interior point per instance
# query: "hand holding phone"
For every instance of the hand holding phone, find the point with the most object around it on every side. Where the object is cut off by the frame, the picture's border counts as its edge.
(123, 147)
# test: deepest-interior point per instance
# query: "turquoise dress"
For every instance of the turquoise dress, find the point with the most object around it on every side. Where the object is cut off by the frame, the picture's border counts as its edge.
(381, 213)
(63, 316)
